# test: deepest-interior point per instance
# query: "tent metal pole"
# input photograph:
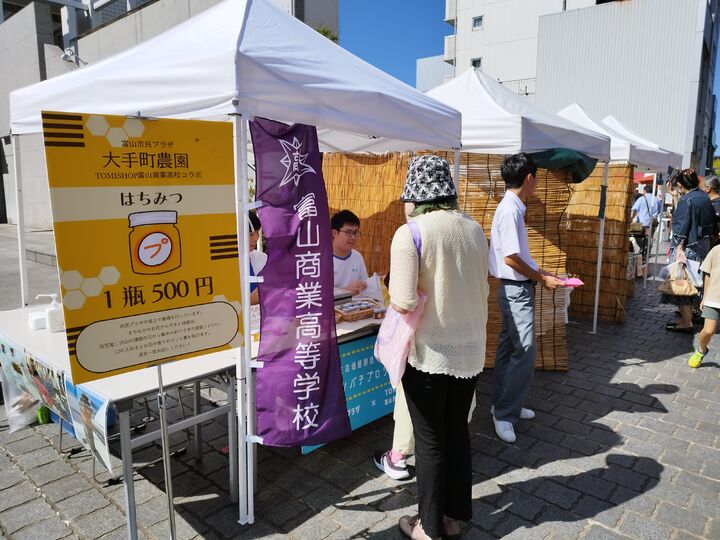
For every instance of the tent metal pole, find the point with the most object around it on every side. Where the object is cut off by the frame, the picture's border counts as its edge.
(17, 170)
(249, 375)
(661, 215)
(246, 388)
(242, 360)
(456, 167)
(649, 239)
(601, 237)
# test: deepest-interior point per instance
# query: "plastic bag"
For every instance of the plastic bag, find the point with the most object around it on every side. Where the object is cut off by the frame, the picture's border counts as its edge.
(694, 273)
(20, 406)
(395, 337)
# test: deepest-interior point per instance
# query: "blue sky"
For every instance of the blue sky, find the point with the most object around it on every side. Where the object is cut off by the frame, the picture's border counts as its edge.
(393, 34)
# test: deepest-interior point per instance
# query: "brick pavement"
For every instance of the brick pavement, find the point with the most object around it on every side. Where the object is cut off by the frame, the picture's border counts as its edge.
(625, 445)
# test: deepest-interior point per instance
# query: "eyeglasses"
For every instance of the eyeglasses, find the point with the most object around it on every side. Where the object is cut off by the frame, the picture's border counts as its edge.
(351, 233)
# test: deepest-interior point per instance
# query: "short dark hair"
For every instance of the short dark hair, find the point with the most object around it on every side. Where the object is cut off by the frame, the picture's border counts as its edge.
(515, 168)
(713, 182)
(342, 218)
(647, 188)
(688, 179)
(254, 222)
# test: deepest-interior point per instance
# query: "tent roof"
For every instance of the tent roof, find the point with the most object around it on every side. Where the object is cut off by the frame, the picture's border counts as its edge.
(248, 56)
(621, 148)
(672, 159)
(495, 120)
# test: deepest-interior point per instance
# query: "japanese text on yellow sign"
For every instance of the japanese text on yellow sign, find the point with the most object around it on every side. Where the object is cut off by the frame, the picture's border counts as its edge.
(146, 238)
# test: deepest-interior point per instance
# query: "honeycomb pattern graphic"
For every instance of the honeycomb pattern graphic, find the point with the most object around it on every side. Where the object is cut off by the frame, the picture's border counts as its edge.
(98, 126)
(79, 288)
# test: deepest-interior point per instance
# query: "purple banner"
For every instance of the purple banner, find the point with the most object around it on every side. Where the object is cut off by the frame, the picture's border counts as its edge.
(300, 396)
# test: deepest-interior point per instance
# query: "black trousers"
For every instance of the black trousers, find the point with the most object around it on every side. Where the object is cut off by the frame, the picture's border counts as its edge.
(439, 407)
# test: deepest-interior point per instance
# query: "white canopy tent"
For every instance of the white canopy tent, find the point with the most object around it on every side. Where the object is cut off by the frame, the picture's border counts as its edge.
(622, 147)
(662, 158)
(672, 161)
(234, 61)
(625, 147)
(249, 57)
(496, 120)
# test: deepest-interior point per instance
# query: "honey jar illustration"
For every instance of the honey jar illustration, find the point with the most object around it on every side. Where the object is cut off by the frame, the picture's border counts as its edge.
(154, 242)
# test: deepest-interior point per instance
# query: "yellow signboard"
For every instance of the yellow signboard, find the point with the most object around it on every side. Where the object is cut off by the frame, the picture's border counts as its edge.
(146, 237)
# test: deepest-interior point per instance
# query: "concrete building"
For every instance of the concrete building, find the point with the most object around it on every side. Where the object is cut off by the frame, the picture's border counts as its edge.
(431, 71)
(500, 37)
(650, 63)
(40, 40)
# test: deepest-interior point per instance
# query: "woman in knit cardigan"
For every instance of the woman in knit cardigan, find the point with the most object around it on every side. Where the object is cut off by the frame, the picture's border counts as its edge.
(448, 352)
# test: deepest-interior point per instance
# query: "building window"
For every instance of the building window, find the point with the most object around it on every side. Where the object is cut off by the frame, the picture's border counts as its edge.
(478, 22)
(476, 63)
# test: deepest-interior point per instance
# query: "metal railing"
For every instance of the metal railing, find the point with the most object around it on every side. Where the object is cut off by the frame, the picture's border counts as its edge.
(523, 87)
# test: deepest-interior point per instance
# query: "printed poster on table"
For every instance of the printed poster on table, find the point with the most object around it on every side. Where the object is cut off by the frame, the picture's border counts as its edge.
(146, 239)
(89, 417)
(300, 398)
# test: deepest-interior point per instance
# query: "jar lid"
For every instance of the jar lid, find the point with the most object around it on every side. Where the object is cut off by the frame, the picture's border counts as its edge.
(152, 218)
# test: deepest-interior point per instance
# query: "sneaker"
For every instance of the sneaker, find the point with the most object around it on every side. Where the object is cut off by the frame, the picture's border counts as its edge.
(525, 414)
(696, 358)
(396, 471)
(504, 430)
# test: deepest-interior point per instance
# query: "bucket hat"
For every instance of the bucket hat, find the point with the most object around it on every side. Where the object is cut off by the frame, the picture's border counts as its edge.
(428, 179)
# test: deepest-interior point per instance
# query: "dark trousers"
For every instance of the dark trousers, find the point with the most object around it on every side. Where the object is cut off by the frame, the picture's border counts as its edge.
(439, 407)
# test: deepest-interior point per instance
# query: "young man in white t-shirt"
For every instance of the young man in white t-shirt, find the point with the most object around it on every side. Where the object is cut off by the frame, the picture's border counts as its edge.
(348, 265)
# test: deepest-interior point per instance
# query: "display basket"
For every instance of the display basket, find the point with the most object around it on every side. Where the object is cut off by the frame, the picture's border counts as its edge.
(356, 315)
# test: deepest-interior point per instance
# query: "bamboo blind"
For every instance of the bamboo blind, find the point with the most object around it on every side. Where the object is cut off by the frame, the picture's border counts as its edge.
(370, 186)
(581, 240)
(480, 190)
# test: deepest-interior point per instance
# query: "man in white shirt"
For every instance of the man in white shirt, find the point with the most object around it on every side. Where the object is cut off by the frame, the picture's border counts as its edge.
(511, 262)
(349, 268)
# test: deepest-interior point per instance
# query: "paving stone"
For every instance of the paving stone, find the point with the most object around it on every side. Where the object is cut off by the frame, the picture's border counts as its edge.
(681, 518)
(9, 477)
(316, 527)
(699, 484)
(153, 511)
(589, 506)
(582, 445)
(30, 512)
(16, 495)
(592, 485)
(557, 494)
(521, 504)
(625, 477)
(713, 528)
(610, 517)
(66, 487)
(37, 457)
(99, 522)
(511, 523)
(81, 504)
(641, 503)
(50, 472)
(562, 522)
(641, 527)
(596, 532)
(183, 530)
(29, 443)
(47, 529)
